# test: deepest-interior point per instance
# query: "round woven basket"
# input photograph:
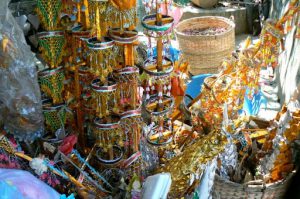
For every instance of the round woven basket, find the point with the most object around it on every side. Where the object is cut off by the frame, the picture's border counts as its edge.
(205, 3)
(205, 53)
(224, 189)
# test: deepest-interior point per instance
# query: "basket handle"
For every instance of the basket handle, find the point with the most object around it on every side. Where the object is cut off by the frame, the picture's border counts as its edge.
(257, 183)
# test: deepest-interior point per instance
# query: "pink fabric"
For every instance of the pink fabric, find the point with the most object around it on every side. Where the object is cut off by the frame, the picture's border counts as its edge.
(176, 13)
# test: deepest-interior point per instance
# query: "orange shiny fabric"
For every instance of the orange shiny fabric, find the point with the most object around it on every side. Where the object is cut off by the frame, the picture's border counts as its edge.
(123, 4)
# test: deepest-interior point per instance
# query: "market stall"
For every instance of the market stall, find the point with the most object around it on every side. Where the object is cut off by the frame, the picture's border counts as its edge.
(101, 110)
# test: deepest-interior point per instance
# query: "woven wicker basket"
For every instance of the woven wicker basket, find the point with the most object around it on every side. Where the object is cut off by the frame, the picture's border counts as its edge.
(205, 53)
(224, 189)
(205, 3)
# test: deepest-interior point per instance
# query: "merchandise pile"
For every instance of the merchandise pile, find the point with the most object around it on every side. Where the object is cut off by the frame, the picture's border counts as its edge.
(115, 128)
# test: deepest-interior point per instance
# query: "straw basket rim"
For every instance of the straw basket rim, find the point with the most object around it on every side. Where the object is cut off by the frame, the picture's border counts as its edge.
(228, 21)
(257, 182)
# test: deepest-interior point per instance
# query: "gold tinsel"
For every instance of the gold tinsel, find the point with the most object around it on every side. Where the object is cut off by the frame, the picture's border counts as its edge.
(189, 163)
(121, 17)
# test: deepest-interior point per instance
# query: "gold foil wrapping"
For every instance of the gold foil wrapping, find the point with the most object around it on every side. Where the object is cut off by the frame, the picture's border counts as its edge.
(191, 161)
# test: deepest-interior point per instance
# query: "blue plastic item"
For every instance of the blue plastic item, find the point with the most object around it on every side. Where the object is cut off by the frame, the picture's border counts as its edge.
(194, 87)
(19, 184)
(251, 107)
(174, 53)
(9, 191)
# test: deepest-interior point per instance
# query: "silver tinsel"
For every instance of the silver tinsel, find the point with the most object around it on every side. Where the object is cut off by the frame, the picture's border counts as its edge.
(229, 158)
(267, 163)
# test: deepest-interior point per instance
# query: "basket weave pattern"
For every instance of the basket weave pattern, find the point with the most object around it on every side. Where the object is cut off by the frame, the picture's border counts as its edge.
(205, 52)
(205, 3)
(224, 189)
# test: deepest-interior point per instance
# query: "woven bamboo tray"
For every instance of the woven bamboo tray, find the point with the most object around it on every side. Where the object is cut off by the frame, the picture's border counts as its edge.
(224, 189)
(205, 53)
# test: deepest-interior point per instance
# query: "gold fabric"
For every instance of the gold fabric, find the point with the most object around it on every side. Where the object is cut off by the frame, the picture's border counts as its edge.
(123, 4)
(191, 162)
